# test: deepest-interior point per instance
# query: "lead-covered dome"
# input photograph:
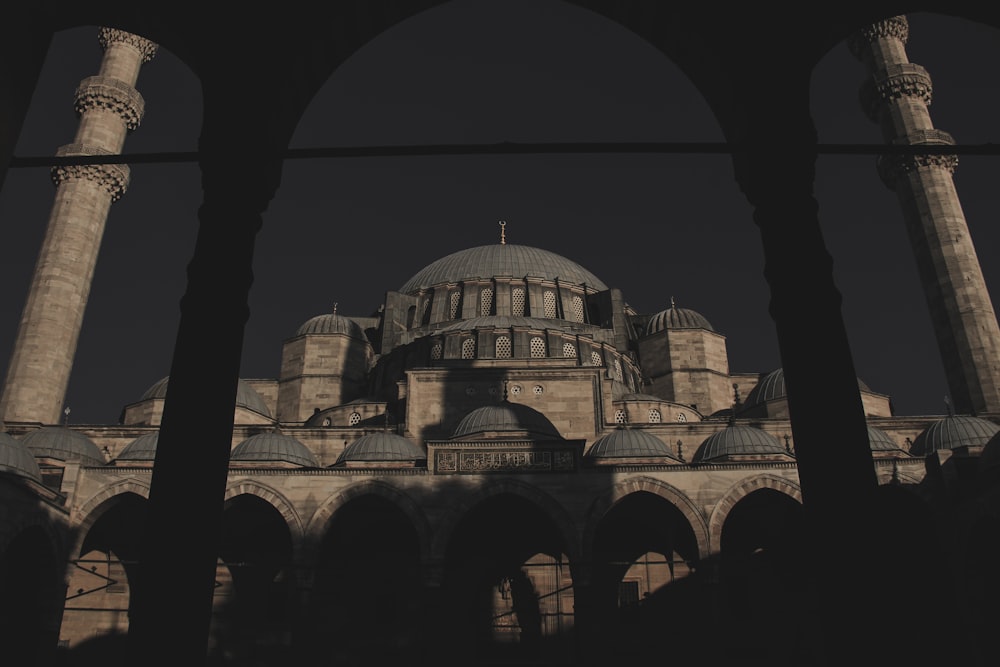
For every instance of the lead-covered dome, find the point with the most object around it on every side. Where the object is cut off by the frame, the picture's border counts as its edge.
(273, 447)
(246, 396)
(772, 387)
(15, 458)
(677, 318)
(629, 443)
(142, 448)
(506, 417)
(64, 444)
(381, 446)
(738, 440)
(880, 441)
(953, 432)
(501, 259)
(331, 323)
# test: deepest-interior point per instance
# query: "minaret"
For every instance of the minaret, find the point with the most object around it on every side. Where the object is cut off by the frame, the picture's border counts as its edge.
(109, 107)
(896, 96)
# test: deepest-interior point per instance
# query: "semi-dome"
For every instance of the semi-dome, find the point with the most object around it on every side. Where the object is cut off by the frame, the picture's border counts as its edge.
(331, 323)
(273, 446)
(15, 458)
(629, 442)
(506, 417)
(738, 440)
(64, 444)
(501, 259)
(246, 396)
(677, 318)
(381, 446)
(952, 432)
(772, 387)
(142, 448)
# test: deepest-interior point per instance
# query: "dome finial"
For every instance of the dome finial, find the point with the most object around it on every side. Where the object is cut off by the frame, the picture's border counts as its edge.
(503, 232)
(672, 303)
(334, 307)
(947, 405)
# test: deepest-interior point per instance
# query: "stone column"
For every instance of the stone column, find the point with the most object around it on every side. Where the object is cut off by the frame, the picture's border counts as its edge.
(109, 107)
(182, 534)
(896, 96)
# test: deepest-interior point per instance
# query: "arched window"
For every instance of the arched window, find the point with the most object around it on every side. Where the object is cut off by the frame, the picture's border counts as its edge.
(569, 350)
(618, 370)
(537, 347)
(454, 304)
(354, 419)
(486, 301)
(619, 416)
(595, 358)
(549, 304)
(654, 416)
(517, 302)
(503, 347)
(577, 309)
(437, 349)
(426, 317)
(468, 348)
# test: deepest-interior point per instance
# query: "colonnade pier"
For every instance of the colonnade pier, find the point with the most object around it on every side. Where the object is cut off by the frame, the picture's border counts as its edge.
(502, 461)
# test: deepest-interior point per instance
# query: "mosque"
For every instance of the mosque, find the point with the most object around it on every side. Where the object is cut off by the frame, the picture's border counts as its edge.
(503, 461)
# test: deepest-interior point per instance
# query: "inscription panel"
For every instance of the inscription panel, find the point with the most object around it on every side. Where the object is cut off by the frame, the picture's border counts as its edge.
(503, 460)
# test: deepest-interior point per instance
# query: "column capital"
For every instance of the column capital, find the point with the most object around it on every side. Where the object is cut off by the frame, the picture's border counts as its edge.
(146, 48)
(102, 92)
(894, 27)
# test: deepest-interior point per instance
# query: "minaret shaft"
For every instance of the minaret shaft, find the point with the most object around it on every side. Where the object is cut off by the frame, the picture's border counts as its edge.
(897, 96)
(109, 107)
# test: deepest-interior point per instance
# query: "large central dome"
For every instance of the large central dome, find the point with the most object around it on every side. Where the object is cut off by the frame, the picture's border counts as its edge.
(502, 259)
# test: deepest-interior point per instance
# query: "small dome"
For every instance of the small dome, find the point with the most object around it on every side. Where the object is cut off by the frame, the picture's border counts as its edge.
(952, 432)
(142, 448)
(736, 440)
(332, 323)
(506, 416)
(246, 396)
(772, 387)
(59, 442)
(880, 441)
(381, 446)
(15, 458)
(501, 259)
(677, 318)
(629, 442)
(273, 446)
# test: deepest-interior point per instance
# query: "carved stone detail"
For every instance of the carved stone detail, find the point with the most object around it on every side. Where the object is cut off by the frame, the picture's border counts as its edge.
(146, 48)
(893, 83)
(896, 26)
(114, 178)
(892, 167)
(101, 92)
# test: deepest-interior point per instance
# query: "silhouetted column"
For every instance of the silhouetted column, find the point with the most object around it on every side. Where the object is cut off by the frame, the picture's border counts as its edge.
(171, 616)
(775, 169)
(896, 96)
(109, 107)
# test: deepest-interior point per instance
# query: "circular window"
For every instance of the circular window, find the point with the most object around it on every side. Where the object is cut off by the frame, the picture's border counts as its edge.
(515, 389)
(681, 417)
(470, 391)
(537, 389)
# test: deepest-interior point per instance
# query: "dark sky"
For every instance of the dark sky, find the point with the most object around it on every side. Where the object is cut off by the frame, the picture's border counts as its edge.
(347, 230)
